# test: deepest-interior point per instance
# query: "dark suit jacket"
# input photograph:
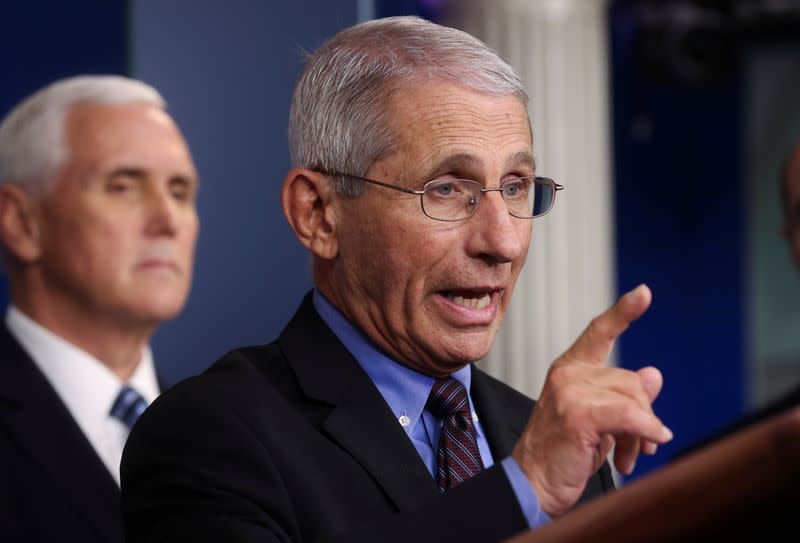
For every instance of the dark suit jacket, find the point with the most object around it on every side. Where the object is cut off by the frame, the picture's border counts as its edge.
(291, 441)
(53, 486)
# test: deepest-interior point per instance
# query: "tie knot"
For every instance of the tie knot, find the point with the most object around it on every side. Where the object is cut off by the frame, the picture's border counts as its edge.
(448, 397)
(128, 406)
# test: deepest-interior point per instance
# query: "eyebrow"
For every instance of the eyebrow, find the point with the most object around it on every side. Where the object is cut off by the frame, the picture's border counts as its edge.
(96, 175)
(141, 173)
(127, 171)
(456, 162)
(466, 161)
(522, 159)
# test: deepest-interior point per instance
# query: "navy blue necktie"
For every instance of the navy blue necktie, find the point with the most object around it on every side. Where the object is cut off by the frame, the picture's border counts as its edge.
(458, 458)
(128, 406)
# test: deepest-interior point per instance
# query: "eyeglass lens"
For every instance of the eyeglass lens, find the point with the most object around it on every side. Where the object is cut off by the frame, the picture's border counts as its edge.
(456, 199)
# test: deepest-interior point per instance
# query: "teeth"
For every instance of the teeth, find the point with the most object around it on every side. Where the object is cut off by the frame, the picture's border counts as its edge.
(472, 303)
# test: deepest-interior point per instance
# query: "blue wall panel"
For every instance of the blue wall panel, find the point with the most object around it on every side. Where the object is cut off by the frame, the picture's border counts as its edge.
(227, 70)
(679, 226)
(44, 40)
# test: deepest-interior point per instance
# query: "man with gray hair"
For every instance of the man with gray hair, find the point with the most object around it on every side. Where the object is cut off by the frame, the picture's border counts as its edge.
(414, 188)
(98, 227)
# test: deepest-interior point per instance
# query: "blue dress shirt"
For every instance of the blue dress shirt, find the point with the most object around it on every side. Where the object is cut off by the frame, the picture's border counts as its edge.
(406, 391)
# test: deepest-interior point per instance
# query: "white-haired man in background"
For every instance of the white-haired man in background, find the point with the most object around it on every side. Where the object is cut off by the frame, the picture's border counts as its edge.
(98, 226)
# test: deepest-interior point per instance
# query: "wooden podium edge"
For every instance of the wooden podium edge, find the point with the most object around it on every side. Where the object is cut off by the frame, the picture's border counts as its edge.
(742, 484)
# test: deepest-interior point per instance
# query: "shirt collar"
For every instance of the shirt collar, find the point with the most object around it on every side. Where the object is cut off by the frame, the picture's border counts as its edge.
(405, 390)
(86, 386)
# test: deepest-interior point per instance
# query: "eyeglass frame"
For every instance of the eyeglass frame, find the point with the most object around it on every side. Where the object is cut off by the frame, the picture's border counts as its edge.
(421, 192)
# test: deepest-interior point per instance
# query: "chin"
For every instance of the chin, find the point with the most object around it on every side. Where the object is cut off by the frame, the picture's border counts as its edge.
(159, 311)
(468, 351)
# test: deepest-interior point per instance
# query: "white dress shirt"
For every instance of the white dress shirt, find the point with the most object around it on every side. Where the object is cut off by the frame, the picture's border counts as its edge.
(86, 386)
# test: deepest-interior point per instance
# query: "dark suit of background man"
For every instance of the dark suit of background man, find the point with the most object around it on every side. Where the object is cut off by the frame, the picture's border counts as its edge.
(397, 128)
(98, 228)
(790, 198)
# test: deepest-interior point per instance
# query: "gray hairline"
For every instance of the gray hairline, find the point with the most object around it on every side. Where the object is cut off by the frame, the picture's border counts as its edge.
(345, 114)
(33, 142)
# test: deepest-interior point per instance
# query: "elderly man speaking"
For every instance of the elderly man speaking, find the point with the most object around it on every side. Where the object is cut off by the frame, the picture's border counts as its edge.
(414, 189)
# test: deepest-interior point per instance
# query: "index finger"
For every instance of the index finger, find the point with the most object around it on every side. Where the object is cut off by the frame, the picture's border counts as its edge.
(595, 343)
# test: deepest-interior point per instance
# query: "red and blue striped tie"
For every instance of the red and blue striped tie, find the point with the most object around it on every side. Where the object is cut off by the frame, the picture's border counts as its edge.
(458, 458)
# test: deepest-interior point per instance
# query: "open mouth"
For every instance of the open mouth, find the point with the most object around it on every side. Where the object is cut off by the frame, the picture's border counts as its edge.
(469, 299)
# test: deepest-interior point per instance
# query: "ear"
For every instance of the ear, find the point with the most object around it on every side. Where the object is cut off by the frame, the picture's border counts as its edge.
(19, 229)
(307, 202)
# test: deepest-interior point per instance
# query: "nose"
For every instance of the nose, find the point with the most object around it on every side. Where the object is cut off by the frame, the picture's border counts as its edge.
(497, 237)
(161, 210)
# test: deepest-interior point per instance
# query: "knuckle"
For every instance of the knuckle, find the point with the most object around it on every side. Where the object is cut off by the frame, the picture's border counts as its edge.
(572, 420)
(634, 384)
(599, 328)
(631, 385)
(562, 372)
(594, 328)
(562, 375)
(629, 414)
(575, 415)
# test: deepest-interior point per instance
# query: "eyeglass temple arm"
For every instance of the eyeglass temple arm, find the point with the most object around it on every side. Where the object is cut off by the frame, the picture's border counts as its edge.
(389, 185)
(373, 181)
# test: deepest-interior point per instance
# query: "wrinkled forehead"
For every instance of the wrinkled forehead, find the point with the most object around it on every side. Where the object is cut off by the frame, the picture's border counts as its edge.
(441, 121)
(404, 98)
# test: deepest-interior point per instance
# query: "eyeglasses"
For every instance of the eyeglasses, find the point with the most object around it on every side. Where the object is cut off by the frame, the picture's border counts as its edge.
(457, 199)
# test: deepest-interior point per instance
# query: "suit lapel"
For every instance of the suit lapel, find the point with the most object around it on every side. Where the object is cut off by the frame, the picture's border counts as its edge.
(502, 425)
(38, 421)
(360, 420)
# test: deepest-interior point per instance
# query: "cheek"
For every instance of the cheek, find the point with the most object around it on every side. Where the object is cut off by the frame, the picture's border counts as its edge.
(188, 239)
(88, 239)
(435, 260)
(526, 232)
(398, 267)
(417, 249)
(525, 236)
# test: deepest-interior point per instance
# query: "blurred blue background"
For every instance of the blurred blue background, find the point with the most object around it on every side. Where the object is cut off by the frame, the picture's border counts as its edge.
(697, 129)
